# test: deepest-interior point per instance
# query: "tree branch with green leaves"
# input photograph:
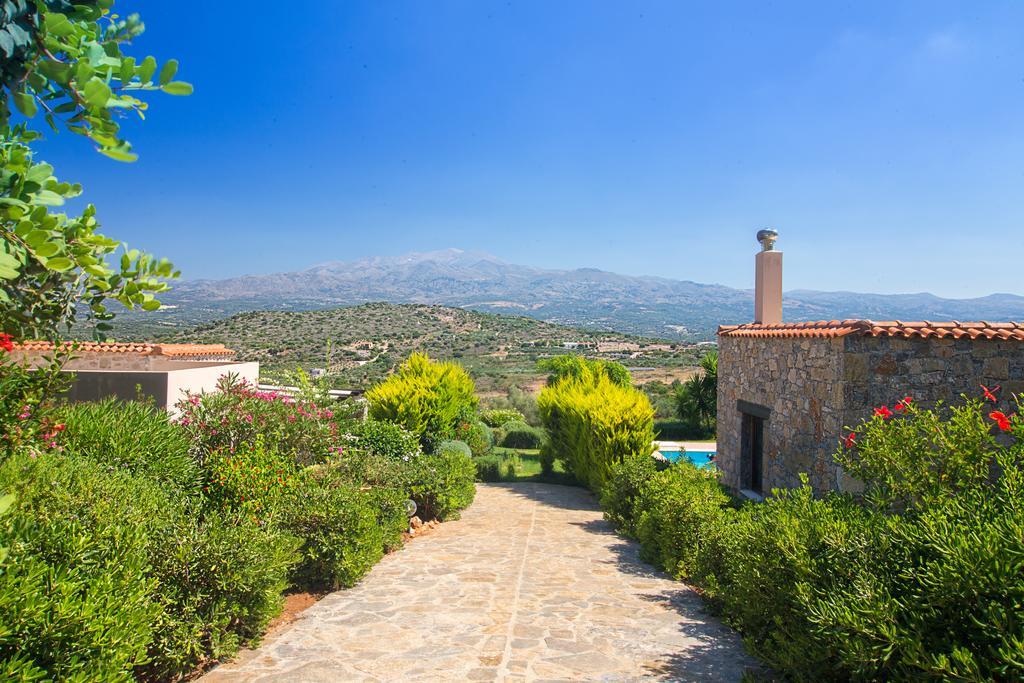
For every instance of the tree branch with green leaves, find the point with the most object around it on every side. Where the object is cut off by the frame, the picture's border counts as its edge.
(65, 61)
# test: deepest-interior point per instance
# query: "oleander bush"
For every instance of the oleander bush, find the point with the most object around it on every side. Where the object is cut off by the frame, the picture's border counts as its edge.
(594, 421)
(133, 437)
(238, 412)
(75, 590)
(426, 397)
(521, 435)
(920, 577)
(499, 417)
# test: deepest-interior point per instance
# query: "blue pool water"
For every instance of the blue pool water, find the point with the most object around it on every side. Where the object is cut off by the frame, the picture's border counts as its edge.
(698, 458)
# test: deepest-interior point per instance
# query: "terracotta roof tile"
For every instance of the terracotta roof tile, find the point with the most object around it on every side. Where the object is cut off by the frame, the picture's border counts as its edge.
(144, 348)
(890, 328)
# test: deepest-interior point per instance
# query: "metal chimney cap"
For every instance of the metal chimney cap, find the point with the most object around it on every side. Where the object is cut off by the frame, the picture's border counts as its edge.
(767, 239)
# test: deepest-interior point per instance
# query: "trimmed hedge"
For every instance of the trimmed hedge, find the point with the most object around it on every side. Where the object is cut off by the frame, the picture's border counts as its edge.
(488, 468)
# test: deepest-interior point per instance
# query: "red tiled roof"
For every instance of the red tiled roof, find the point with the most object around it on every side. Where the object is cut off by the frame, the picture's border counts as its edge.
(872, 328)
(168, 350)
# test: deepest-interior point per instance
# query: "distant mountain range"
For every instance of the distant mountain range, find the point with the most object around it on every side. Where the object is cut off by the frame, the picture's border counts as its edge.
(586, 297)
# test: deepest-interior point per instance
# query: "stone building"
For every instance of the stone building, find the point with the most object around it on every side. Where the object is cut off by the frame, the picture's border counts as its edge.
(788, 391)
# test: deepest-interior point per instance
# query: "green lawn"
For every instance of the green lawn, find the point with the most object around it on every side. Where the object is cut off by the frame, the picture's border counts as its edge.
(527, 466)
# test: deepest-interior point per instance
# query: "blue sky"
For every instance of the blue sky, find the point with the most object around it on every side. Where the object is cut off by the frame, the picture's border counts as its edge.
(884, 140)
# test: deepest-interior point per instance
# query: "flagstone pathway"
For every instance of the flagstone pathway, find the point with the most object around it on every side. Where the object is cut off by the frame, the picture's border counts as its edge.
(530, 585)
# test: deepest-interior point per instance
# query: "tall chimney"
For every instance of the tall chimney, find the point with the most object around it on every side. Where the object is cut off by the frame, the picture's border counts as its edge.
(768, 280)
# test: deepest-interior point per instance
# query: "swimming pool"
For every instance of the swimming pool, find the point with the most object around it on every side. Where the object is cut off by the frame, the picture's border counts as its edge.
(698, 458)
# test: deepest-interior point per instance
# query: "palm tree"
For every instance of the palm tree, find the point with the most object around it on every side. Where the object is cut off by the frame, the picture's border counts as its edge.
(697, 398)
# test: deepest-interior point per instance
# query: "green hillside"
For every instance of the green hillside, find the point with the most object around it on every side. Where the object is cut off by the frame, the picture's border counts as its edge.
(360, 344)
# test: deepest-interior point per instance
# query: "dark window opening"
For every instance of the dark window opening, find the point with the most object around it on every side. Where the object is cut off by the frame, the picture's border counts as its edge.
(752, 453)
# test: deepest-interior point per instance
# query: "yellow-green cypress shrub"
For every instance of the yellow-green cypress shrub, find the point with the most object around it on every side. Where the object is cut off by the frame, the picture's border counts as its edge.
(426, 397)
(593, 423)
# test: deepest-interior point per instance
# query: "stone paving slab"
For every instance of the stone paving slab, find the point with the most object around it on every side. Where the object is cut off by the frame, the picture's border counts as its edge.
(530, 585)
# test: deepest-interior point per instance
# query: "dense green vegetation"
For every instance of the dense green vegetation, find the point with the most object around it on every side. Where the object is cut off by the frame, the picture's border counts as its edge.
(593, 420)
(137, 546)
(362, 344)
(921, 577)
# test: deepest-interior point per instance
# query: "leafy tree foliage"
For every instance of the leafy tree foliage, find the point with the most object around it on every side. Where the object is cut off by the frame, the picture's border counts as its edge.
(65, 61)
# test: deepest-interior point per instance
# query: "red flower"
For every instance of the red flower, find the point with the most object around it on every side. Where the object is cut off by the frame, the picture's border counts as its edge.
(883, 412)
(6, 342)
(989, 394)
(851, 440)
(904, 404)
(1001, 420)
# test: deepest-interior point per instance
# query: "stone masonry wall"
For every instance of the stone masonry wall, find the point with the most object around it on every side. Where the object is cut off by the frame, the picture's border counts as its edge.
(800, 380)
(882, 370)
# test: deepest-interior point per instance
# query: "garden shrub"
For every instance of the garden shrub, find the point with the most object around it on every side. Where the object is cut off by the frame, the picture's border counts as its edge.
(593, 422)
(521, 435)
(681, 503)
(75, 593)
(476, 435)
(442, 484)
(920, 577)
(131, 436)
(202, 586)
(387, 439)
(622, 497)
(498, 417)
(458, 446)
(220, 585)
(488, 468)
(250, 481)
(340, 528)
(426, 397)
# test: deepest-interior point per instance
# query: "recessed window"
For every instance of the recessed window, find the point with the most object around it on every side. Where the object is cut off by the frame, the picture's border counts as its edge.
(752, 453)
